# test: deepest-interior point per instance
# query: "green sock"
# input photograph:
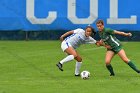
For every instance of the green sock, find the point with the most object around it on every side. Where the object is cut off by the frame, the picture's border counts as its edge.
(110, 69)
(132, 65)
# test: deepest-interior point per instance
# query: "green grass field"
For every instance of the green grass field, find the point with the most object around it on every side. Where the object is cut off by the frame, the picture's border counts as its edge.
(30, 67)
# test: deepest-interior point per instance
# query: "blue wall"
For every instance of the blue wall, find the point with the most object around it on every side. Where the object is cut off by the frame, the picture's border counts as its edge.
(33, 15)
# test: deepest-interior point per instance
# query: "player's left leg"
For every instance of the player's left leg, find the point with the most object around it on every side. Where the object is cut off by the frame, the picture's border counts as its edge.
(71, 55)
(123, 56)
(67, 48)
(78, 64)
(109, 55)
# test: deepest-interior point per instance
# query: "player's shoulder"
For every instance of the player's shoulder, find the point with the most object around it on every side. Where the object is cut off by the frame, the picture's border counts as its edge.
(79, 30)
(108, 29)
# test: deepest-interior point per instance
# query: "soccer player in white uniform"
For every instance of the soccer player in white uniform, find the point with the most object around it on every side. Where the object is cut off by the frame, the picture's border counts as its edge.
(74, 40)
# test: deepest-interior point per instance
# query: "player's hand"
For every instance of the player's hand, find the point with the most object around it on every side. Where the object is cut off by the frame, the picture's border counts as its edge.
(129, 34)
(61, 38)
(99, 43)
(107, 46)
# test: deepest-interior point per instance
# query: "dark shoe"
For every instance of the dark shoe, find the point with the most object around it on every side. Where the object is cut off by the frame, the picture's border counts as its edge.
(139, 71)
(77, 75)
(112, 74)
(59, 65)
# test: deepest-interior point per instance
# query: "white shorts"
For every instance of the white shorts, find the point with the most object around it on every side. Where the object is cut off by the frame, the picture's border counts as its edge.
(65, 45)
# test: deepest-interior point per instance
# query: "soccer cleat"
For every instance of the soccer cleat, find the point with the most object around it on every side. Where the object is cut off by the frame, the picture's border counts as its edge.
(59, 65)
(112, 74)
(77, 75)
(139, 71)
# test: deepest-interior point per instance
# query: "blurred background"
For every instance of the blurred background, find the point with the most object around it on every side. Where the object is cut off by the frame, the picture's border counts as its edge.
(48, 19)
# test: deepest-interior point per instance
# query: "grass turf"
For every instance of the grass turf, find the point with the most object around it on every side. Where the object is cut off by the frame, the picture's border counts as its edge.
(30, 67)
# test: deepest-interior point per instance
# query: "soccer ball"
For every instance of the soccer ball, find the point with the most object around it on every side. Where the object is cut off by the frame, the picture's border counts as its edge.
(85, 75)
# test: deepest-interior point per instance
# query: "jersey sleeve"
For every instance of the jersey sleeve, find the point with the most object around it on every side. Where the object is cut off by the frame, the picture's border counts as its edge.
(110, 31)
(90, 41)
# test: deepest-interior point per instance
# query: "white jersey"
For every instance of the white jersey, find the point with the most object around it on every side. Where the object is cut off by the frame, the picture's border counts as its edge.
(78, 38)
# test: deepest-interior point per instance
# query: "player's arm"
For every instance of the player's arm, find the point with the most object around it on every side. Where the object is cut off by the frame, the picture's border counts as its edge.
(66, 34)
(92, 41)
(122, 33)
(100, 43)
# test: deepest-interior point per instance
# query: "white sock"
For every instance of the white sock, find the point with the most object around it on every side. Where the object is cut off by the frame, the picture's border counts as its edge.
(67, 59)
(77, 68)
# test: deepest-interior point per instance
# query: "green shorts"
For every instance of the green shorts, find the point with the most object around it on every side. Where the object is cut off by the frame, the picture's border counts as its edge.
(115, 49)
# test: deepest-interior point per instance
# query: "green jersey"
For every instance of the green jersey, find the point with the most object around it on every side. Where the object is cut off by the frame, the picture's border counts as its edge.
(108, 37)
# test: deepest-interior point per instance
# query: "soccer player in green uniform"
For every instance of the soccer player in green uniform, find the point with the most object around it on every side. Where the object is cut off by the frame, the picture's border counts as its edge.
(113, 46)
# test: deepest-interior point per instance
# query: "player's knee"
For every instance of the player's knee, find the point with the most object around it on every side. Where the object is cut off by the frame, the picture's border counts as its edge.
(107, 62)
(75, 55)
(126, 60)
(78, 58)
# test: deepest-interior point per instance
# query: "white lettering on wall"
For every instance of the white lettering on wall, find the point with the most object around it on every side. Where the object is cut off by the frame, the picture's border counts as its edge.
(72, 12)
(30, 9)
(114, 15)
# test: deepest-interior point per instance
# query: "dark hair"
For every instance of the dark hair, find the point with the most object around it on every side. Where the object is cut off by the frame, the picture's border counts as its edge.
(92, 29)
(100, 21)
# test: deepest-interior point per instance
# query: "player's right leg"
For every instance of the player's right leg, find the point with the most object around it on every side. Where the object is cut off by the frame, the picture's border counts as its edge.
(66, 47)
(78, 64)
(123, 56)
(109, 55)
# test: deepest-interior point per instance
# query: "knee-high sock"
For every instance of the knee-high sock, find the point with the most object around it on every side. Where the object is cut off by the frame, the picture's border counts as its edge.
(77, 68)
(110, 69)
(132, 65)
(67, 59)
